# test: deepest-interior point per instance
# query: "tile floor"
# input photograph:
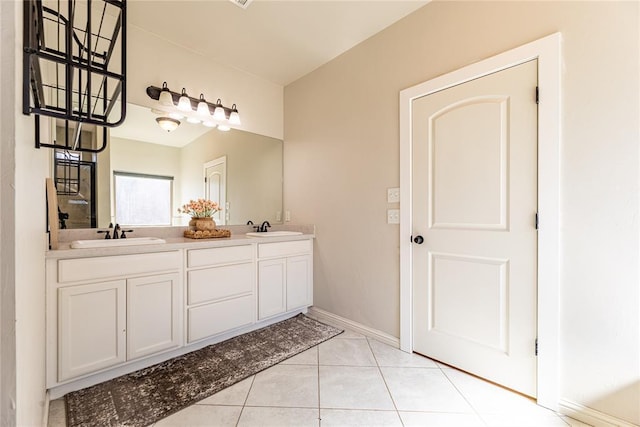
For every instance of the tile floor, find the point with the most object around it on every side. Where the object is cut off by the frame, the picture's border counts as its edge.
(352, 380)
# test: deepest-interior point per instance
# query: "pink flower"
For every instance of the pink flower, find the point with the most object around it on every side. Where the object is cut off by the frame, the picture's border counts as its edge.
(200, 208)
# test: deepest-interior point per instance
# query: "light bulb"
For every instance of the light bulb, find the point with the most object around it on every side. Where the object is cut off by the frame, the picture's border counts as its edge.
(218, 113)
(203, 107)
(165, 97)
(209, 124)
(184, 103)
(234, 117)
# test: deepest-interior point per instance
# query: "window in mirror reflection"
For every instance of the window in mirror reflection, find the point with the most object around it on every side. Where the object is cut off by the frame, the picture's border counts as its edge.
(142, 199)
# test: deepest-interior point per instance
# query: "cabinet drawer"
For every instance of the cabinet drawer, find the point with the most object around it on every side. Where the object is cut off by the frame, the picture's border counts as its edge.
(212, 319)
(71, 270)
(219, 282)
(267, 250)
(213, 256)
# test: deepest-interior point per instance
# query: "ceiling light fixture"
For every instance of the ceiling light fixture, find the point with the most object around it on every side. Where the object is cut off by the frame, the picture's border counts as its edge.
(241, 3)
(177, 106)
(167, 123)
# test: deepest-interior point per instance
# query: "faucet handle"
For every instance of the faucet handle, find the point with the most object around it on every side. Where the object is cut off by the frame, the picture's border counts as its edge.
(107, 235)
(124, 236)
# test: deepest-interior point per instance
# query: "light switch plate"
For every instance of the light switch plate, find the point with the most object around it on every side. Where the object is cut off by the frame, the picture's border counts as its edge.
(287, 215)
(393, 195)
(393, 216)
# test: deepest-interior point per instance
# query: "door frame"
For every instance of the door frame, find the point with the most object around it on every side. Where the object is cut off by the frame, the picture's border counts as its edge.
(547, 51)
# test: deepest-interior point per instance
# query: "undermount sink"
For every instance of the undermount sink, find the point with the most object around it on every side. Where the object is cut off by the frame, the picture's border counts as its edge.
(108, 243)
(274, 233)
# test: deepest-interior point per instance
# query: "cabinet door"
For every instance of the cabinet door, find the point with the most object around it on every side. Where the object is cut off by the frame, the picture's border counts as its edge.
(298, 281)
(153, 314)
(271, 287)
(91, 327)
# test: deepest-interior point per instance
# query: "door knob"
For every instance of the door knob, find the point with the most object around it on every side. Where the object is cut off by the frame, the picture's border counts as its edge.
(418, 239)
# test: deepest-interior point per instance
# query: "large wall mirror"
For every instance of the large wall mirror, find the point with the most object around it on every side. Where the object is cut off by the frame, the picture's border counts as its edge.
(145, 174)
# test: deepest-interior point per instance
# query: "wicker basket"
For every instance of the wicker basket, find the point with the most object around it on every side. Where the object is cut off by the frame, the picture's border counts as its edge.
(207, 234)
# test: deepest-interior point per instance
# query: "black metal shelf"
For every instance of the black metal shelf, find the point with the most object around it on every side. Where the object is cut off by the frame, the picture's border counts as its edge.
(74, 65)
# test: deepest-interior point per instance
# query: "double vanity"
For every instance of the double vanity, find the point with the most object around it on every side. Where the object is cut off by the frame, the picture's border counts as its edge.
(116, 307)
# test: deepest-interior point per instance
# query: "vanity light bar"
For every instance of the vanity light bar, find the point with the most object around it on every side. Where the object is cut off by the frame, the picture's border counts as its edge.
(230, 114)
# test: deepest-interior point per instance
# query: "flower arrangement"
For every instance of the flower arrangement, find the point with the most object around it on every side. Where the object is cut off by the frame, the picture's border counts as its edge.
(200, 208)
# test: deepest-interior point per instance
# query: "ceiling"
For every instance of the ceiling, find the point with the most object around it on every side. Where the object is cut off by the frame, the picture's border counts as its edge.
(141, 126)
(279, 41)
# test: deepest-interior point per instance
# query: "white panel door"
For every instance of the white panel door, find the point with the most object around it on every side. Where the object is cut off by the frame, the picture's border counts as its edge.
(215, 181)
(91, 328)
(153, 314)
(474, 190)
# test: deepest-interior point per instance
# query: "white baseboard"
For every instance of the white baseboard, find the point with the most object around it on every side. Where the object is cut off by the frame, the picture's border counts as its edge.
(591, 416)
(335, 320)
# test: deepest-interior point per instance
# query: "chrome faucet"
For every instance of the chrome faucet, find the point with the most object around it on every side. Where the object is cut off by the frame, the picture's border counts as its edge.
(263, 227)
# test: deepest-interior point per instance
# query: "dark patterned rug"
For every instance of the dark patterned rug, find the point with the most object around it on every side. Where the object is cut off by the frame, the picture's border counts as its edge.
(148, 395)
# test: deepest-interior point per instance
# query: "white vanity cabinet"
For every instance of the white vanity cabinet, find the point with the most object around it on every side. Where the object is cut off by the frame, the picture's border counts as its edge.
(104, 311)
(110, 315)
(285, 277)
(220, 290)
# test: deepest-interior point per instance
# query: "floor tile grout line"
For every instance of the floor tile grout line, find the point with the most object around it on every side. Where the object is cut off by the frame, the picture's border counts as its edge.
(385, 382)
(244, 404)
(478, 413)
(475, 411)
(282, 407)
(318, 370)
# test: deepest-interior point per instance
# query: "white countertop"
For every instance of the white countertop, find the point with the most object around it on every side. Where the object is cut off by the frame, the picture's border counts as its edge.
(238, 237)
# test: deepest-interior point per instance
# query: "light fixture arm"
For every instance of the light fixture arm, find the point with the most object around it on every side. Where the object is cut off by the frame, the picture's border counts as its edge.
(154, 93)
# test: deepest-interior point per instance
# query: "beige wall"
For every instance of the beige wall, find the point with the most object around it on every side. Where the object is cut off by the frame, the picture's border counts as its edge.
(7, 219)
(28, 184)
(342, 153)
